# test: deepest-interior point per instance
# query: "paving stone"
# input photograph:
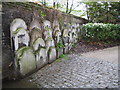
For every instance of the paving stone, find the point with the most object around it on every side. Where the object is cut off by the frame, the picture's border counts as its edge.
(79, 72)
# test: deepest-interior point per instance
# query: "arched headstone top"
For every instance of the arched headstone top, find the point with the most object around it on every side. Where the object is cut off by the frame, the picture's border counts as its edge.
(35, 24)
(38, 43)
(55, 23)
(46, 23)
(17, 23)
(21, 38)
(19, 34)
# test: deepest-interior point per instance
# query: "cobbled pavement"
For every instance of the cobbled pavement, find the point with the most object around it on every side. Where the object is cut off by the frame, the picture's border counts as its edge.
(77, 71)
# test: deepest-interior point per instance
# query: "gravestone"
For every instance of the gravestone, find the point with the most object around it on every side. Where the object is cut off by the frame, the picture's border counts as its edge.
(57, 37)
(35, 31)
(35, 24)
(19, 34)
(41, 58)
(40, 52)
(51, 54)
(47, 29)
(25, 60)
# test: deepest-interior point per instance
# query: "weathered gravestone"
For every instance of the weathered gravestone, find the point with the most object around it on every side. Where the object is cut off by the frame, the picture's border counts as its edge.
(50, 44)
(24, 57)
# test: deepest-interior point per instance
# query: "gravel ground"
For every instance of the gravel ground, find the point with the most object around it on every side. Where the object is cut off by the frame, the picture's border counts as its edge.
(77, 72)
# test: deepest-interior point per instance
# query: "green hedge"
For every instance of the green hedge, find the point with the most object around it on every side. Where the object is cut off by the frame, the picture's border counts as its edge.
(101, 32)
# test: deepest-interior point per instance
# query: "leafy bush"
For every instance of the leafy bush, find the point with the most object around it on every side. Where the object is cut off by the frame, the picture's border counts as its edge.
(101, 32)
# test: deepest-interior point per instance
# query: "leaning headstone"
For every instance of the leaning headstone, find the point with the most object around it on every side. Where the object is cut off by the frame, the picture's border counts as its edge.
(34, 24)
(49, 43)
(41, 58)
(19, 34)
(34, 34)
(70, 46)
(38, 43)
(56, 25)
(50, 51)
(40, 52)
(20, 38)
(66, 48)
(70, 36)
(47, 29)
(47, 34)
(35, 31)
(79, 31)
(17, 23)
(57, 36)
(74, 34)
(59, 52)
(65, 36)
(25, 60)
(56, 30)
(59, 48)
(52, 54)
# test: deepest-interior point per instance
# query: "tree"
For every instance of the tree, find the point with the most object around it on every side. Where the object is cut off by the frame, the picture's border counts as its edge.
(104, 12)
(67, 6)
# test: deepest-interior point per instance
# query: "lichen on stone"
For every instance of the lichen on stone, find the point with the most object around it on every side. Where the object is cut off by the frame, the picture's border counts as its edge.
(51, 54)
(41, 57)
(25, 60)
(38, 43)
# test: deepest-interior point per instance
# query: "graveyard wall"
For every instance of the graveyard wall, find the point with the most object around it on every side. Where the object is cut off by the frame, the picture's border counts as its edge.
(34, 36)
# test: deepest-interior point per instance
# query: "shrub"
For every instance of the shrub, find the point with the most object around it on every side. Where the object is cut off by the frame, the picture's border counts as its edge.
(101, 32)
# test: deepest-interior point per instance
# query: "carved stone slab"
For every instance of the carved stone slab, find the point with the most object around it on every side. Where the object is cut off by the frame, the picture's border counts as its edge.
(20, 38)
(17, 23)
(59, 52)
(19, 35)
(51, 54)
(66, 48)
(25, 60)
(35, 31)
(41, 58)
(49, 43)
(57, 36)
(38, 43)
(40, 52)
(47, 29)
(35, 24)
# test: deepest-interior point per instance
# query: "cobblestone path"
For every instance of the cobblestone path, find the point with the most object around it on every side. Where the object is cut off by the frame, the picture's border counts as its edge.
(77, 72)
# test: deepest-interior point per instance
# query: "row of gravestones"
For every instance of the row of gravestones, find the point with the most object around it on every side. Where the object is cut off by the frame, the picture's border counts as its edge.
(38, 46)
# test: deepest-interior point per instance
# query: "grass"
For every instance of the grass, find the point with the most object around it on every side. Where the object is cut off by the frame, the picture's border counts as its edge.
(58, 60)
(62, 56)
